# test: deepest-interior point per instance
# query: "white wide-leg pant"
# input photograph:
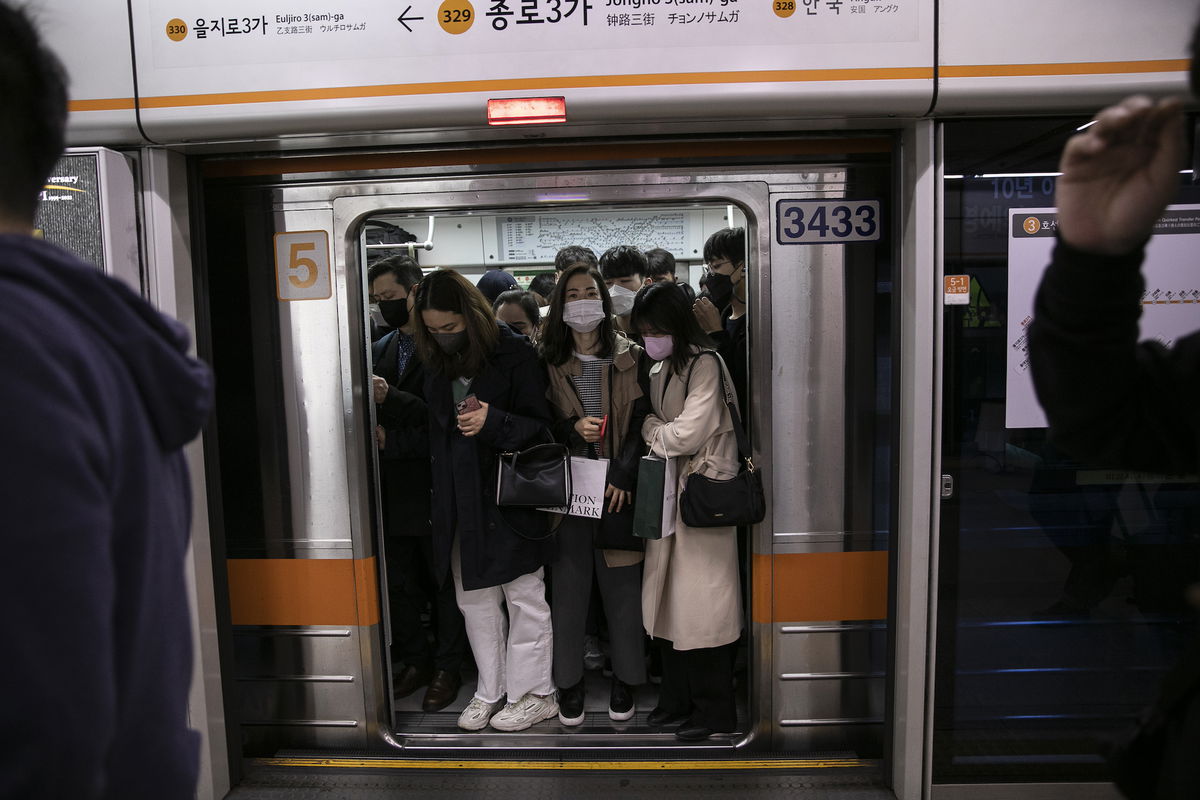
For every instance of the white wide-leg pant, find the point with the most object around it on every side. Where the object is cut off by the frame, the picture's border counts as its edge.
(514, 651)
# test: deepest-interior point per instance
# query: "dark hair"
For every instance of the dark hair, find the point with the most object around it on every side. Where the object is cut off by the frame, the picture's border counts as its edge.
(403, 269)
(659, 262)
(556, 343)
(543, 284)
(525, 300)
(33, 114)
(726, 243)
(446, 290)
(574, 254)
(494, 282)
(622, 261)
(665, 308)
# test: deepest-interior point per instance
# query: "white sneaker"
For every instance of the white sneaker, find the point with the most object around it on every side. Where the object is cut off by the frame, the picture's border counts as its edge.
(529, 710)
(476, 715)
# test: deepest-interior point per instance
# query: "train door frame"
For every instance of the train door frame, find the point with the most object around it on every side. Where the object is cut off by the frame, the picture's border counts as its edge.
(919, 181)
(609, 189)
(913, 199)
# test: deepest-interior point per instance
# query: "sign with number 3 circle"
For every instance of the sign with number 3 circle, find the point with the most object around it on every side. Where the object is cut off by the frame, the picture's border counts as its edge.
(302, 266)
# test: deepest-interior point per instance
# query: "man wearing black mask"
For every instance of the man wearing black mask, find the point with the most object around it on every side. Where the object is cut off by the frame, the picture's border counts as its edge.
(405, 494)
(721, 308)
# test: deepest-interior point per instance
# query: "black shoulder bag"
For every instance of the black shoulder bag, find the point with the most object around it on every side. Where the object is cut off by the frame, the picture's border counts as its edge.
(710, 503)
(533, 478)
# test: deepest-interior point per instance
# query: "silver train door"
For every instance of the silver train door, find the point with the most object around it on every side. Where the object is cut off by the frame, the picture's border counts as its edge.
(821, 412)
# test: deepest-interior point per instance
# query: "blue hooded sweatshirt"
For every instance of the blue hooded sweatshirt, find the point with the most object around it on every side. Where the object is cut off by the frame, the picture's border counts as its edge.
(97, 397)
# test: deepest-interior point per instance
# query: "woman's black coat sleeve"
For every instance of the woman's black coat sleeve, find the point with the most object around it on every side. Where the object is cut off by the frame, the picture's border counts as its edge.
(528, 420)
(402, 409)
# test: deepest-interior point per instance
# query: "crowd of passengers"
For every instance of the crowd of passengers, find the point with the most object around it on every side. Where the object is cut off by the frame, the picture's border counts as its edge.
(601, 356)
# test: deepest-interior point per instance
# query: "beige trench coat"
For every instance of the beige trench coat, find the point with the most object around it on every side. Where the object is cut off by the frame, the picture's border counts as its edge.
(690, 585)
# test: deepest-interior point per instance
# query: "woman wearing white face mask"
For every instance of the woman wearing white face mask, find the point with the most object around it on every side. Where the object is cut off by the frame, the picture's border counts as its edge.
(599, 406)
(691, 601)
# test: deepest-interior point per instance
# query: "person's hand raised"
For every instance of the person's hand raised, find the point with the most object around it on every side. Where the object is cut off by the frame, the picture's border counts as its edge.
(1119, 174)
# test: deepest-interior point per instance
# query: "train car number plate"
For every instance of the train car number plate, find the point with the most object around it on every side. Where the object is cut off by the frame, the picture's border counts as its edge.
(826, 221)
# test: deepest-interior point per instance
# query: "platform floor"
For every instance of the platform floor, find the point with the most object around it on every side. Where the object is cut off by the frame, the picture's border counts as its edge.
(264, 782)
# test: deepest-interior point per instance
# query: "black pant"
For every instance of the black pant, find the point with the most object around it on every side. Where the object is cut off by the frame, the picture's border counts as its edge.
(411, 587)
(699, 682)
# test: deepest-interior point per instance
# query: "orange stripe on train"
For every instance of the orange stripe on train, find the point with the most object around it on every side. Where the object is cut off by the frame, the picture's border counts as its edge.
(303, 591)
(820, 587)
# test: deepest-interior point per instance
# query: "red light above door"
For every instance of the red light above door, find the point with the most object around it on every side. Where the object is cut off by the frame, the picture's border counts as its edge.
(527, 110)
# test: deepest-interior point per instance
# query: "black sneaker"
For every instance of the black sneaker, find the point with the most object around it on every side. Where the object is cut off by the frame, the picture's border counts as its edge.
(570, 705)
(620, 701)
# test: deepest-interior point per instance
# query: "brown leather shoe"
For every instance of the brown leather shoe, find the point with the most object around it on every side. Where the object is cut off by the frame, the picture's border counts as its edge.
(442, 691)
(411, 679)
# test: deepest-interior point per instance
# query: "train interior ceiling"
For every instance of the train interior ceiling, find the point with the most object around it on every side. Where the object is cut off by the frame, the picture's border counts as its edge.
(287, 384)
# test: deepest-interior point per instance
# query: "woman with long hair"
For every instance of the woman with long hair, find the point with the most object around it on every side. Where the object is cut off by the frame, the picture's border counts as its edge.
(690, 594)
(596, 399)
(486, 393)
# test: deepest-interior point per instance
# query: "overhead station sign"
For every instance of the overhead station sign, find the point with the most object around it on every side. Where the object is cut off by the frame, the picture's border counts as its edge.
(230, 68)
(223, 33)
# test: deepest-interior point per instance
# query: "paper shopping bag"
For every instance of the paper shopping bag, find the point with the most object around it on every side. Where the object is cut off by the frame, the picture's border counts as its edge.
(589, 478)
(654, 501)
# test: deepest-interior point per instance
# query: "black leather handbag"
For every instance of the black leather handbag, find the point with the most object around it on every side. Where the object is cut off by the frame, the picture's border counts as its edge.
(536, 477)
(711, 503)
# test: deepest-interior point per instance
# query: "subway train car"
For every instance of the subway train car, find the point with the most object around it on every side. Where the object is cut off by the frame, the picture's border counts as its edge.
(936, 599)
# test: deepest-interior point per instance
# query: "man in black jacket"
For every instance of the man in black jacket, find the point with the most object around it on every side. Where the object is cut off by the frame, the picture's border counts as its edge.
(97, 398)
(721, 307)
(405, 494)
(1111, 401)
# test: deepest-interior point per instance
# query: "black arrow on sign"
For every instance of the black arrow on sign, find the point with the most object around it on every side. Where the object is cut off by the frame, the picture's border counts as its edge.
(404, 19)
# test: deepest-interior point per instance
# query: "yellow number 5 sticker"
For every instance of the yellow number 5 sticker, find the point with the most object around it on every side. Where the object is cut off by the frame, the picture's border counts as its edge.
(302, 266)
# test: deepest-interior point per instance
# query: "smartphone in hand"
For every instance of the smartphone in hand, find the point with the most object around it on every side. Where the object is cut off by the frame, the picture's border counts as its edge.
(467, 405)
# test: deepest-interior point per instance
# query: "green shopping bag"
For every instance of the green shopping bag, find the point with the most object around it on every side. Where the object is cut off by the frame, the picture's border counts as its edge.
(654, 500)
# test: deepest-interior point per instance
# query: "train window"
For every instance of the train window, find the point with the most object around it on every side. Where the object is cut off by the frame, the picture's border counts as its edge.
(1060, 601)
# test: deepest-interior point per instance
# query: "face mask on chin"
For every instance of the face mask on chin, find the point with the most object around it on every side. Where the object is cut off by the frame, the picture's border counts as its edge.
(622, 300)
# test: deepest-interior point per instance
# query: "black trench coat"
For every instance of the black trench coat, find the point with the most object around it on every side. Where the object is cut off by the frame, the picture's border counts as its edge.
(464, 468)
